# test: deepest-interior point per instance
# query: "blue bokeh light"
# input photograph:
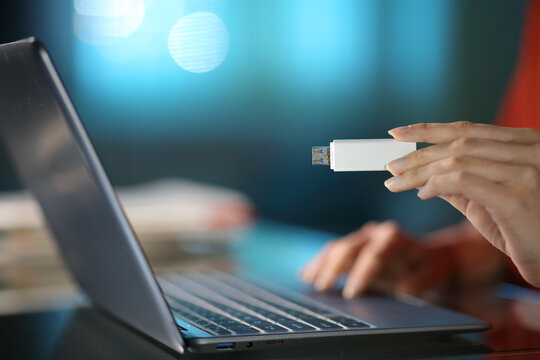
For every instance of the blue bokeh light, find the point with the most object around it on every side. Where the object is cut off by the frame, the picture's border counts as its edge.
(416, 51)
(199, 42)
(298, 73)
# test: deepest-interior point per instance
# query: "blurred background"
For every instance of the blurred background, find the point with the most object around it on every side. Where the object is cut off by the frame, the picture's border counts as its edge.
(235, 92)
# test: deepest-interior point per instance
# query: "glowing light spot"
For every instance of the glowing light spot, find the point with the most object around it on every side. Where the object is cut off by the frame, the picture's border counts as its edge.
(101, 22)
(199, 42)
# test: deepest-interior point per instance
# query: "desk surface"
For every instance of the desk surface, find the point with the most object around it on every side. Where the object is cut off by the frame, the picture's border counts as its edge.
(84, 332)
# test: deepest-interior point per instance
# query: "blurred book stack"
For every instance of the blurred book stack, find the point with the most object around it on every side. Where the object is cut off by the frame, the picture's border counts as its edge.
(179, 223)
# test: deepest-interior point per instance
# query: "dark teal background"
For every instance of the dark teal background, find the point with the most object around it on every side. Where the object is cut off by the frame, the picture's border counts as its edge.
(298, 73)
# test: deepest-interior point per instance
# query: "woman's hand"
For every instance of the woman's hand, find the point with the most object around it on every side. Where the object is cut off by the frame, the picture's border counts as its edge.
(380, 256)
(489, 173)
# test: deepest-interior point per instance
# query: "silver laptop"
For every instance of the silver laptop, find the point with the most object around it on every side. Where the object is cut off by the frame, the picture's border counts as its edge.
(206, 311)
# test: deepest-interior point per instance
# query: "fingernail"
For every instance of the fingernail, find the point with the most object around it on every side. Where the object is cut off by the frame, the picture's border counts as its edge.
(399, 131)
(393, 182)
(321, 284)
(348, 293)
(420, 193)
(305, 277)
(396, 165)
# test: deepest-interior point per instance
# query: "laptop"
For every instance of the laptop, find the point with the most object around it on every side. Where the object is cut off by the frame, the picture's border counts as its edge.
(199, 312)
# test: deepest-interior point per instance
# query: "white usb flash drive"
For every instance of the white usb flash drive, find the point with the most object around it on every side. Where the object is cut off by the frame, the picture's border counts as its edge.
(360, 155)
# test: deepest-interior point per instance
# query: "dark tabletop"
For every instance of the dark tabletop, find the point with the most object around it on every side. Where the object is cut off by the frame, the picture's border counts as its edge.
(84, 332)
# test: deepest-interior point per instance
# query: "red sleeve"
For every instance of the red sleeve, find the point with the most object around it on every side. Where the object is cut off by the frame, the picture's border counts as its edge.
(521, 107)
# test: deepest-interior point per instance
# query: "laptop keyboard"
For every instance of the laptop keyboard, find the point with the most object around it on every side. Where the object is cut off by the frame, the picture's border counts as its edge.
(225, 305)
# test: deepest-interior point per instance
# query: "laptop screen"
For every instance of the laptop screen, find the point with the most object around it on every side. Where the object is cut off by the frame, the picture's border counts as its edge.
(56, 162)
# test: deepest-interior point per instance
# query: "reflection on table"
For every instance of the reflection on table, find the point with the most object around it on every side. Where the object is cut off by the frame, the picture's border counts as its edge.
(84, 332)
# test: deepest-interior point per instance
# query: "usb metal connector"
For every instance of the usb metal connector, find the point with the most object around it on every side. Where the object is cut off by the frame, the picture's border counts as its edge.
(320, 155)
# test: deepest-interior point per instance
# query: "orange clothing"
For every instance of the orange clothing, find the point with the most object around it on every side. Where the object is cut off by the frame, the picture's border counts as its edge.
(521, 107)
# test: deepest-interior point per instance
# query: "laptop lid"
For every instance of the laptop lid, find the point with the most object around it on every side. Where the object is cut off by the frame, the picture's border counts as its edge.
(57, 163)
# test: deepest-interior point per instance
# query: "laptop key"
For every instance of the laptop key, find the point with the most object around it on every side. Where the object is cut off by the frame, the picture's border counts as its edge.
(205, 325)
(321, 324)
(243, 330)
(297, 326)
(221, 331)
(349, 322)
(271, 328)
(217, 330)
(258, 322)
(278, 318)
(266, 313)
(201, 322)
(311, 307)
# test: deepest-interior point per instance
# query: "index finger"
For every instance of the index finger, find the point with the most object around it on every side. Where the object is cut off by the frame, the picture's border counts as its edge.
(436, 133)
(371, 260)
(326, 267)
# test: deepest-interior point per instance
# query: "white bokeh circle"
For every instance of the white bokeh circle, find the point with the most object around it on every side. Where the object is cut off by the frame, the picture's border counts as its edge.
(96, 21)
(199, 42)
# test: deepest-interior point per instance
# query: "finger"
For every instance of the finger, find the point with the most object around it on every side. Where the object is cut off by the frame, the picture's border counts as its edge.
(338, 258)
(309, 273)
(495, 171)
(437, 133)
(482, 220)
(484, 192)
(482, 148)
(457, 201)
(479, 216)
(476, 213)
(312, 269)
(370, 262)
